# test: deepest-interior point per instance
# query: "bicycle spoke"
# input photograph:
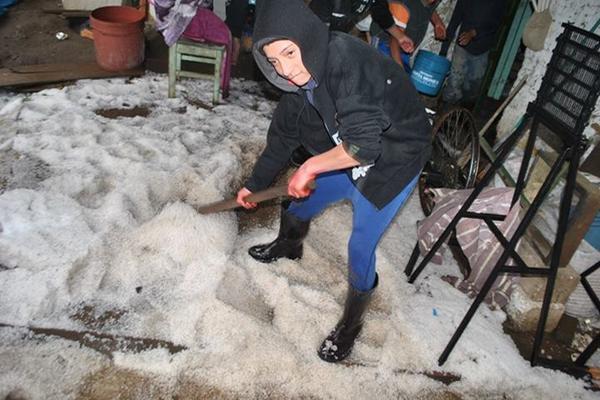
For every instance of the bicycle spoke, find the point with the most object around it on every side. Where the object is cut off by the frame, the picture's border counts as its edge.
(455, 155)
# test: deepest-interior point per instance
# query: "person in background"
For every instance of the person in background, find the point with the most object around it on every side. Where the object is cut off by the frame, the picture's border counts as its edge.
(236, 11)
(477, 22)
(174, 16)
(413, 18)
(363, 26)
(368, 136)
(342, 15)
(401, 16)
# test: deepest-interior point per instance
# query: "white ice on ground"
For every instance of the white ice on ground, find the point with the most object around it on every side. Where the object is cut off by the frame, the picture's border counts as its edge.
(110, 223)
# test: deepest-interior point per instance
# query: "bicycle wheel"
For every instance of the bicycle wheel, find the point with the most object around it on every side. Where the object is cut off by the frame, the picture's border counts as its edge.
(455, 155)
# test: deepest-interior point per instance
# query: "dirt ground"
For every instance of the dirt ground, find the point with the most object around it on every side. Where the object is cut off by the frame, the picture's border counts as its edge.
(28, 36)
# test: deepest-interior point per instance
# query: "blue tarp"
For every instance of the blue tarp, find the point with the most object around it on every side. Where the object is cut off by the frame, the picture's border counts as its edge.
(4, 4)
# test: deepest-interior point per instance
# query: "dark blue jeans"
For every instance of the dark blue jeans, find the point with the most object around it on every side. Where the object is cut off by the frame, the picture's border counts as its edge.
(368, 223)
(466, 75)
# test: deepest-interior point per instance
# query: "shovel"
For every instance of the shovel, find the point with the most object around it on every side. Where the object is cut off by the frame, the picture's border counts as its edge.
(263, 195)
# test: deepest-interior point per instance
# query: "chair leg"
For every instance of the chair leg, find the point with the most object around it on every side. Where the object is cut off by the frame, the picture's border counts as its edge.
(172, 69)
(563, 220)
(217, 80)
(467, 318)
(588, 352)
(413, 260)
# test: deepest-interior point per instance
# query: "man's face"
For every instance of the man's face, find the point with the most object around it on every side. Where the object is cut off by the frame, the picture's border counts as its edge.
(286, 58)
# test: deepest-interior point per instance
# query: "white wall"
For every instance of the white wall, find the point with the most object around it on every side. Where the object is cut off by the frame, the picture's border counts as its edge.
(583, 14)
(219, 8)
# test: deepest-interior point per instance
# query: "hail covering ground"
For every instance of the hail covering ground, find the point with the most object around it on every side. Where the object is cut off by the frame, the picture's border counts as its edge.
(98, 214)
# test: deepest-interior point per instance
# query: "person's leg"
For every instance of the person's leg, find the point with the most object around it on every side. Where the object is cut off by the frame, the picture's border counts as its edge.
(476, 67)
(236, 44)
(369, 223)
(295, 218)
(452, 92)
(235, 18)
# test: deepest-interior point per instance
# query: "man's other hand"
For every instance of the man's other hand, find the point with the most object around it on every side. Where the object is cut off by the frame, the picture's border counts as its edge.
(406, 44)
(439, 31)
(241, 195)
(466, 37)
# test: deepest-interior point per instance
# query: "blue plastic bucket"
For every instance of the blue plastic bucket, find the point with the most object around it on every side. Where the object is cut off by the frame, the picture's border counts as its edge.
(429, 72)
(593, 234)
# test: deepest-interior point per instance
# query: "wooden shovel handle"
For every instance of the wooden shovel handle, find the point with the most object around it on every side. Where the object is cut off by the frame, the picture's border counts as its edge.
(263, 195)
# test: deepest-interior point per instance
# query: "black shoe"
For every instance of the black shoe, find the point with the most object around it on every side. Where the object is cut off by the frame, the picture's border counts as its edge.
(288, 244)
(338, 345)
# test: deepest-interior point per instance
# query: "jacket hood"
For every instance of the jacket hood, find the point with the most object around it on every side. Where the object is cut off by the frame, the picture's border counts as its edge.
(291, 20)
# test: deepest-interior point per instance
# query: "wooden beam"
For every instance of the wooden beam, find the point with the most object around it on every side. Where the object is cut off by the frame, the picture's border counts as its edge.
(68, 13)
(47, 73)
(104, 343)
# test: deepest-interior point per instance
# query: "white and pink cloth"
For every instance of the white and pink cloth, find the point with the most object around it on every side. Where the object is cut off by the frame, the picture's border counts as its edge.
(477, 242)
(193, 20)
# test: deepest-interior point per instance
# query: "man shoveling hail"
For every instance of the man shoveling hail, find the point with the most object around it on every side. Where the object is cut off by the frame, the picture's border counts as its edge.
(359, 116)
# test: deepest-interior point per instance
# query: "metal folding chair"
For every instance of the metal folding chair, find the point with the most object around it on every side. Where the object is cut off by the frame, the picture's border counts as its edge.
(595, 343)
(563, 104)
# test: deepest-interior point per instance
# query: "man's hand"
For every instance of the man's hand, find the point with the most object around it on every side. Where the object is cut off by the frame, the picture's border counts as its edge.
(298, 184)
(332, 160)
(406, 44)
(240, 198)
(439, 31)
(403, 40)
(466, 37)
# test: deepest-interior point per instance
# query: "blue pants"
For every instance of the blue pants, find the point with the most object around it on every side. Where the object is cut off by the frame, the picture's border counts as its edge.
(368, 223)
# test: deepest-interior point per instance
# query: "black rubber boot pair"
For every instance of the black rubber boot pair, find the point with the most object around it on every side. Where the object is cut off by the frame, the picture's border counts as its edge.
(338, 345)
(288, 243)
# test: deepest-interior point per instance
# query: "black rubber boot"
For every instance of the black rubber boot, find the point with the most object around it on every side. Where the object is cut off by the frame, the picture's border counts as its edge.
(288, 243)
(338, 345)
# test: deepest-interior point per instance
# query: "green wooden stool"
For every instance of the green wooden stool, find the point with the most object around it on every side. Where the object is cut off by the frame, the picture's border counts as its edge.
(198, 52)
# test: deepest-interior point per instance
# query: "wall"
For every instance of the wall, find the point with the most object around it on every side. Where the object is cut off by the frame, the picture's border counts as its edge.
(582, 13)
